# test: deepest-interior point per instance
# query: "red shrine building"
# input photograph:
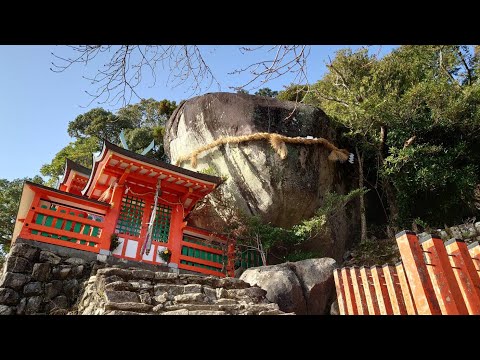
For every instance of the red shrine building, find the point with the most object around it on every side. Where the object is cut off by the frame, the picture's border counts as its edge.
(115, 202)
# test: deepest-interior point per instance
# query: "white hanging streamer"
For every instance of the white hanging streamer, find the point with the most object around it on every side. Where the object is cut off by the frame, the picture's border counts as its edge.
(148, 241)
(351, 158)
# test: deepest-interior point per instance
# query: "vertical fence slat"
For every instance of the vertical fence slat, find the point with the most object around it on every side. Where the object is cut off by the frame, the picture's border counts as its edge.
(406, 292)
(340, 292)
(443, 279)
(349, 297)
(369, 291)
(358, 291)
(394, 291)
(417, 274)
(381, 291)
(465, 273)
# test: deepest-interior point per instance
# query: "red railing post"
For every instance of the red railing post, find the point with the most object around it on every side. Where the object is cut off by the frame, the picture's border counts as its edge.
(417, 274)
(443, 279)
(474, 250)
(465, 273)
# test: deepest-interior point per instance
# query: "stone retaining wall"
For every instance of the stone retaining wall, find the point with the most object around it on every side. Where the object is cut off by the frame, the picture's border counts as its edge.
(55, 280)
(468, 232)
(36, 281)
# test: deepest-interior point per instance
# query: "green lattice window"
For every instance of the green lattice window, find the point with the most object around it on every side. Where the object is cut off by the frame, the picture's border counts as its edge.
(199, 265)
(161, 226)
(199, 241)
(131, 214)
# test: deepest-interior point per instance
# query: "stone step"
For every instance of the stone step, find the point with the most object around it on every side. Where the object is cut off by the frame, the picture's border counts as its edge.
(175, 312)
(192, 307)
(206, 312)
(119, 286)
(128, 306)
(121, 312)
(193, 312)
(274, 312)
(121, 296)
(187, 298)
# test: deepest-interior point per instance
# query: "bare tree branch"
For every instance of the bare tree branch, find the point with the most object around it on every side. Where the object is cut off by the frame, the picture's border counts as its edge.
(117, 80)
(286, 59)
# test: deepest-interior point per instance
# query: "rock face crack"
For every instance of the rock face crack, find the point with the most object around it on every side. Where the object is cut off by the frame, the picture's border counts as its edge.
(303, 286)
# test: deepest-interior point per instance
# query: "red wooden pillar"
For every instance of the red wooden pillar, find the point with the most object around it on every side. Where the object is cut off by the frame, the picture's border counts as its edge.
(349, 297)
(111, 217)
(358, 292)
(231, 259)
(417, 274)
(369, 291)
(406, 292)
(176, 234)
(443, 279)
(342, 306)
(474, 250)
(465, 273)
(381, 291)
(394, 290)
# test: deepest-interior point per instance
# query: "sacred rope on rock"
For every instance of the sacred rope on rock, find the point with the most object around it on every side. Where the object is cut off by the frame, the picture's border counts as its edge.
(277, 142)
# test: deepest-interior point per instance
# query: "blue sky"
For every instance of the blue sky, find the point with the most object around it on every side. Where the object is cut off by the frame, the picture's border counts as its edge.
(36, 104)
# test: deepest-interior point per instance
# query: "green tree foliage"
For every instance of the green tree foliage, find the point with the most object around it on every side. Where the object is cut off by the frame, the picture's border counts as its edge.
(293, 93)
(286, 244)
(10, 193)
(267, 92)
(100, 123)
(80, 151)
(271, 237)
(319, 224)
(147, 113)
(142, 122)
(415, 118)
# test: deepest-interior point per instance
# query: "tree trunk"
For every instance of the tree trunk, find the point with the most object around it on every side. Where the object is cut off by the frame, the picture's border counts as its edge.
(387, 187)
(363, 217)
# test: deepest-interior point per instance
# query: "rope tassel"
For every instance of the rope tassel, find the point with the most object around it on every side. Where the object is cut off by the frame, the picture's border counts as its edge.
(279, 146)
(278, 143)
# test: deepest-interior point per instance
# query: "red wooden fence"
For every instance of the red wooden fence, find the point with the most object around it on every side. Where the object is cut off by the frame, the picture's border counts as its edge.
(433, 278)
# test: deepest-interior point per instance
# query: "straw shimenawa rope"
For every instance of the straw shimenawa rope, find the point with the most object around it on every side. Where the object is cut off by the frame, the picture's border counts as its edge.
(277, 142)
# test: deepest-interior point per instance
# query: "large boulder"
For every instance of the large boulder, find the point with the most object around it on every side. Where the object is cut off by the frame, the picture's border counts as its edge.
(281, 284)
(303, 287)
(316, 277)
(258, 181)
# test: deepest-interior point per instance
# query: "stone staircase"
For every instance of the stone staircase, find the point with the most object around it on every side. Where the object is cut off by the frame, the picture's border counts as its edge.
(117, 291)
